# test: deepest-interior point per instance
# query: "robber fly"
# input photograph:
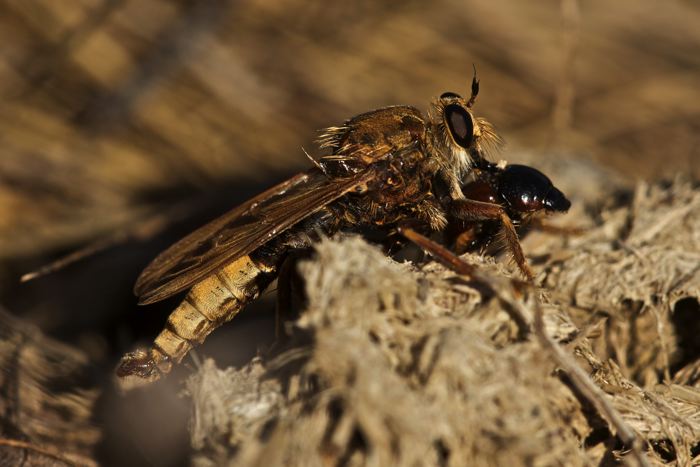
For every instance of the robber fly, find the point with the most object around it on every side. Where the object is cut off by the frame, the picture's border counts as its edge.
(527, 196)
(392, 169)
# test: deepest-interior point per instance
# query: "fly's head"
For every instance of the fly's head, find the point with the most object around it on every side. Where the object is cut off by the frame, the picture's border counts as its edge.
(462, 138)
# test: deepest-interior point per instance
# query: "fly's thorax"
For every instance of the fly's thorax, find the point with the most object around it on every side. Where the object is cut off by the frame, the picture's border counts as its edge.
(364, 139)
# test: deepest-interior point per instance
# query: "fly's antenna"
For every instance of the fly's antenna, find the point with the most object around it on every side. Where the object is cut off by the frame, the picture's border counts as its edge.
(475, 89)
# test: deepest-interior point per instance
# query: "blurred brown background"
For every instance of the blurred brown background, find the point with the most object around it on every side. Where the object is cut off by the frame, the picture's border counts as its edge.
(118, 112)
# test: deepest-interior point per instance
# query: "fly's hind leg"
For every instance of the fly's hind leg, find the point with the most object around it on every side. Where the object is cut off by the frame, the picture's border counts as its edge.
(291, 296)
(471, 210)
(283, 305)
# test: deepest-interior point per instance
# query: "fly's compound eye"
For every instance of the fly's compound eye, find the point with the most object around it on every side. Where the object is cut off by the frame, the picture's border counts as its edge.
(460, 124)
(449, 95)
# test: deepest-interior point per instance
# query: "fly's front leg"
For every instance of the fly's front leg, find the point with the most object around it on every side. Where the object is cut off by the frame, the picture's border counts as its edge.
(546, 227)
(463, 240)
(471, 210)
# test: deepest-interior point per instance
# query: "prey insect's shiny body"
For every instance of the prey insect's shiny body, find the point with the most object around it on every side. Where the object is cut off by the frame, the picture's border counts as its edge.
(525, 193)
(389, 169)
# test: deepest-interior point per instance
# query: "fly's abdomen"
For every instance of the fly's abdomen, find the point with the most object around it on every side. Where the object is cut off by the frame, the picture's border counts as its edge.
(210, 303)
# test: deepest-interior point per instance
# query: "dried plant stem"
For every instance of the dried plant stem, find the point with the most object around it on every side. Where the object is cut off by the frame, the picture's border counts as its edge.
(563, 110)
(589, 390)
(148, 227)
(15, 443)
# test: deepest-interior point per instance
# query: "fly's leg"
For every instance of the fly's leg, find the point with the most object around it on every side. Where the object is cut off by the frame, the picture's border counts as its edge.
(283, 305)
(439, 252)
(546, 227)
(463, 240)
(470, 210)
(291, 296)
(494, 286)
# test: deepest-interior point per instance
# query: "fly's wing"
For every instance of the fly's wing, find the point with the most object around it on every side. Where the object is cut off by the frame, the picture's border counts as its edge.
(240, 231)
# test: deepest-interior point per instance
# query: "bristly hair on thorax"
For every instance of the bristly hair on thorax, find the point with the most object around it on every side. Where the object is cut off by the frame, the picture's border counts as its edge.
(453, 159)
(331, 137)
